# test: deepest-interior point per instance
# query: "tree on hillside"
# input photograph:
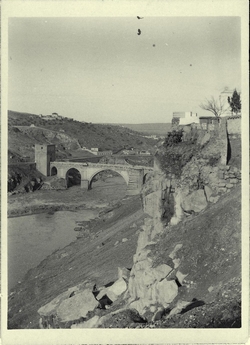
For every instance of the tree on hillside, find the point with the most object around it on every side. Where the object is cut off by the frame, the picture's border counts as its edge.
(235, 102)
(214, 106)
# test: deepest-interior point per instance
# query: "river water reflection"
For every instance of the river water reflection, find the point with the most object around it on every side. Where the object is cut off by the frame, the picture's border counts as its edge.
(32, 238)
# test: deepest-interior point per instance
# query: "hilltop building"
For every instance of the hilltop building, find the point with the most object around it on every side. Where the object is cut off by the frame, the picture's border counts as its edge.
(185, 118)
(223, 97)
(97, 152)
(53, 116)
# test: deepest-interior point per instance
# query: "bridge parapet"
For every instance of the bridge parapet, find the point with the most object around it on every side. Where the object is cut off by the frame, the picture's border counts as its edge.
(123, 167)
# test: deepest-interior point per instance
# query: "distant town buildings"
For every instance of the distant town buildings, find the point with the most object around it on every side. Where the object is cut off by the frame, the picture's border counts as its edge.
(152, 136)
(94, 150)
(105, 153)
(53, 116)
(185, 118)
(97, 152)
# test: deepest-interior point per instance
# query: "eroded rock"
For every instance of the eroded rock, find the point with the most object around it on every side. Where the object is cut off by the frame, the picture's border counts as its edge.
(195, 202)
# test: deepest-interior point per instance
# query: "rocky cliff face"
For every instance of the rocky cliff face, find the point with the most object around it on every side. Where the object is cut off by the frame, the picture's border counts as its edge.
(184, 264)
(165, 278)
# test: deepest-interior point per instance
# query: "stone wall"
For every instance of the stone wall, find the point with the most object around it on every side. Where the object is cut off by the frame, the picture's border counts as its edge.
(212, 139)
(234, 140)
(234, 125)
(215, 142)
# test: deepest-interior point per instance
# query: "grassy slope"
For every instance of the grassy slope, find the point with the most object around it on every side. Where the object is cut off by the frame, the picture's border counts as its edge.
(106, 137)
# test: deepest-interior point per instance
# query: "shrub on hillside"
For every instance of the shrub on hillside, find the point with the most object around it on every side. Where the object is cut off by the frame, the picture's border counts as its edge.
(173, 138)
(175, 153)
(175, 121)
(213, 161)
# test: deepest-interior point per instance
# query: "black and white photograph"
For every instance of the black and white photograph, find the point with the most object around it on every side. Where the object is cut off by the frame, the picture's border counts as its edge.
(122, 138)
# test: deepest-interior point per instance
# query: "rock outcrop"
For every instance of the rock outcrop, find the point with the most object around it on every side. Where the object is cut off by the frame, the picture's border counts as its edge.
(154, 288)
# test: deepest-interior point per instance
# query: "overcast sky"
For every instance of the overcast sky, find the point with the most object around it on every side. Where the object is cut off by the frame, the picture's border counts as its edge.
(100, 70)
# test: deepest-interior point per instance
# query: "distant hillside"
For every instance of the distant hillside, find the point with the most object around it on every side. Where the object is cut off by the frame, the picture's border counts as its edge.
(150, 128)
(69, 136)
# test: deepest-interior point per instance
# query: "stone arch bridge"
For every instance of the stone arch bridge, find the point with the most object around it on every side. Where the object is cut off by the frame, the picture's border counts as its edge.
(133, 175)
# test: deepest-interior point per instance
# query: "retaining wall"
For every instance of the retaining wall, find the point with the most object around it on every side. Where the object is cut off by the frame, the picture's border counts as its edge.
(234, 125)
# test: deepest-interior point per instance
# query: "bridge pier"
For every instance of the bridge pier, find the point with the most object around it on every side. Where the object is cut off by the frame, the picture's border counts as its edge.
(85, 184)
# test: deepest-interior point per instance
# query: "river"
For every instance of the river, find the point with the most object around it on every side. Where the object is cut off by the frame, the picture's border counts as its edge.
(32, 238)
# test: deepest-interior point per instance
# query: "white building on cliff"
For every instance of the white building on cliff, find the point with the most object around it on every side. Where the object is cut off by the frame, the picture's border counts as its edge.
(185, 117)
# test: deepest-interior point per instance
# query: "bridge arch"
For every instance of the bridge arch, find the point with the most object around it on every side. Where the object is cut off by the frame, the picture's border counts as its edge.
(72, 177)
(123, 174)
(145, 178)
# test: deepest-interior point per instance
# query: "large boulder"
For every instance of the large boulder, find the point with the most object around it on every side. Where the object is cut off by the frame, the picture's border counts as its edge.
(194, 202)
(160, 293)
(50, 308)
(118, 287)
(77, 306)
(113, 291)
(165, 292)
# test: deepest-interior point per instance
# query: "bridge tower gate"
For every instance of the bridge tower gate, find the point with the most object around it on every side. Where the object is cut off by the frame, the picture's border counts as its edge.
(44, 154)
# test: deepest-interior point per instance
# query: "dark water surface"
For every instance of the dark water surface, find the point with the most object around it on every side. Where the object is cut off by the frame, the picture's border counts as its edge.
(32, 238)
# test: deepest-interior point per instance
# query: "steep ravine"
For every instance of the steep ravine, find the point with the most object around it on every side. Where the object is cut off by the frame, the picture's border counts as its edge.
(184, 270)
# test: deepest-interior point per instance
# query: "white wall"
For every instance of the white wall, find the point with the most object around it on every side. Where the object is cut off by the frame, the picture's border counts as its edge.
(189, 118)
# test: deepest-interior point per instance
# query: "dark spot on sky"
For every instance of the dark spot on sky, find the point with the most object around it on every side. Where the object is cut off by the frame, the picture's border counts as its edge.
(139, 32)
(153, 45)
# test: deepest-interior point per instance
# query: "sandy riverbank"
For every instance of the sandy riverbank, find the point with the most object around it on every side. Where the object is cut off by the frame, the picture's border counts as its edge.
(100, 196)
